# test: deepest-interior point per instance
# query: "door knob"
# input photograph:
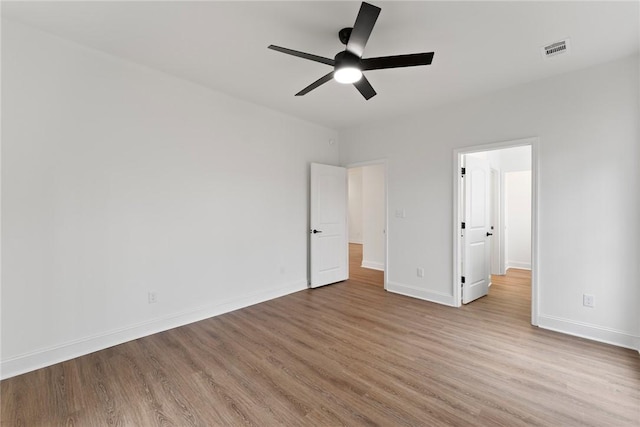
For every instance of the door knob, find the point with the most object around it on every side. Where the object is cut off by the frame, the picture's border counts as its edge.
(489, 234)
(314, 231)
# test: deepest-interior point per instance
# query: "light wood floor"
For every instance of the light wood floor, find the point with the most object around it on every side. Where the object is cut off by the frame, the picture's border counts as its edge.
(366, 276)
(345, 354)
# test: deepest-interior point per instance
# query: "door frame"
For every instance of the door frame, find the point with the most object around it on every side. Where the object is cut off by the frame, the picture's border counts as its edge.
(385, 163)
(497, 213)
(458, 211)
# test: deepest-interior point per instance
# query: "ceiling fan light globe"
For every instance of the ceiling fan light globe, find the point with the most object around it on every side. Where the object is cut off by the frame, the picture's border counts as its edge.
(346, 75)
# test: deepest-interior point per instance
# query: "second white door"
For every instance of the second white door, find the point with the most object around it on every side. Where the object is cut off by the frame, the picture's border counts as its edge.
(476, 260)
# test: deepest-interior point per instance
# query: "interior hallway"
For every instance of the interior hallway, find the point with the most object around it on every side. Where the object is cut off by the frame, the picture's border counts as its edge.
(509, 295)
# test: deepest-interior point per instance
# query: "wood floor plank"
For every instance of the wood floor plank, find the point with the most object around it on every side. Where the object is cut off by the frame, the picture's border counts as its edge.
(345, 354)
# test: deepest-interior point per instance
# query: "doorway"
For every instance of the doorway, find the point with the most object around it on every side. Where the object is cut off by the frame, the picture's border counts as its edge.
(367, 224)
(495, 221)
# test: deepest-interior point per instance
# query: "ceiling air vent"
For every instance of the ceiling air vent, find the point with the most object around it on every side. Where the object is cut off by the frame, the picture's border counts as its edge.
(556, 48)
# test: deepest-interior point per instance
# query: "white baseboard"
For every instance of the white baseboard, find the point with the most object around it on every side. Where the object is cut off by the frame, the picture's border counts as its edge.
(356, 241)
(411, 291)
(372, 265)
(589, 331)
(520, 265)
(49, 356)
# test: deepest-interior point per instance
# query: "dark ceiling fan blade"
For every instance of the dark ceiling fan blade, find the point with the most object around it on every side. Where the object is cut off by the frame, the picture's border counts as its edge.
(365, 88)
(322, 80)
(365, 21)
(397, 61)
(304, 55)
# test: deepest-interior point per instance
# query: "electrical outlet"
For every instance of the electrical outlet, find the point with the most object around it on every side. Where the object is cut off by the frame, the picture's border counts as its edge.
(420, 272)
(588, 300)
(153, 297)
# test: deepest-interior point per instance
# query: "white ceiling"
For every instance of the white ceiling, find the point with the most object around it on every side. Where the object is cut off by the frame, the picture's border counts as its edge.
(479, 46)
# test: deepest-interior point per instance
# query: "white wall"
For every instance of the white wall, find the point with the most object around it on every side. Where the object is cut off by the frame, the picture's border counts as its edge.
(517, 197)
(373, 220)
(355, 205)
(118, 180)
(515, 159)
(589, 158)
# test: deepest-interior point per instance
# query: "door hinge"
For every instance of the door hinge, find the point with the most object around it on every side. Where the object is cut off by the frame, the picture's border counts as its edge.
(462, 279)
(463, 225)
(464, 171)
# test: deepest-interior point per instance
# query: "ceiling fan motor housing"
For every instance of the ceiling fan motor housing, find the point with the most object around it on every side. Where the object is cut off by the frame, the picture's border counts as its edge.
(347, 59)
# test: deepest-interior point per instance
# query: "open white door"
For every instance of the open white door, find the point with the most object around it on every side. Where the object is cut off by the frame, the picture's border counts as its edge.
(329, 241)
(476, 260)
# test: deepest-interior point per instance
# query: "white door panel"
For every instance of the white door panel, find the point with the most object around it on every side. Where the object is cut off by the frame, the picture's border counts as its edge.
(329, 240)
(476, 248)
(496, 263)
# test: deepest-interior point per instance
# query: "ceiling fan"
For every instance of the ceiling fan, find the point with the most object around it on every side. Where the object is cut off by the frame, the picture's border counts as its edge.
(349, 64)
